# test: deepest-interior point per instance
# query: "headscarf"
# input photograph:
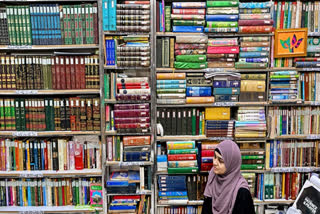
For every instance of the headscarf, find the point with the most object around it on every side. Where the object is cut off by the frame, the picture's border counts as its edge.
(223, 189)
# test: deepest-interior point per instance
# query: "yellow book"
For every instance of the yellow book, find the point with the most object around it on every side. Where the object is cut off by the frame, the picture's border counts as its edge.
(268, 155)
(253, 86)
(88, 156)
(20, 155)
(203, 122)
(28, 155)
(24, 193)
(199, 100)
(217, 113)
(283, 185)
(169, 76)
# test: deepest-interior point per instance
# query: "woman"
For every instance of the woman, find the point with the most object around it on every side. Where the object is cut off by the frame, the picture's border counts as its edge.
(227, 192)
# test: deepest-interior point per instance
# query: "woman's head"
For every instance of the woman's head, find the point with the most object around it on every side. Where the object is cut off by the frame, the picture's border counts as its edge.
(227, 158)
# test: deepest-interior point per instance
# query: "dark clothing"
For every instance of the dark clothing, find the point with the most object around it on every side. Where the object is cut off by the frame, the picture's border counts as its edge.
(242, 205)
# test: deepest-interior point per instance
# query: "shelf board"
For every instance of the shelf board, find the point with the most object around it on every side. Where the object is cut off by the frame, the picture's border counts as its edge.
(302, 137)
(112, 101)
(145, 192)
(52, 173)
(49, 47)
(203, 137)
(46, 133)
(278, 201)
(216, 104)
(159, 70)
(50, 209)
(126, 134)
(211, 34)
(126, 68)
(133, 163)
(117, 33)
(295, 169)
(49, 92)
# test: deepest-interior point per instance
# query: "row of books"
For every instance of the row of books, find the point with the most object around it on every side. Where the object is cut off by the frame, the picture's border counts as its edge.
(180, 209)
(214, 17)
(53, 24)
(50, 114)
(50, 192)
(293, 121)
(130, 204)
(52, 154)
(128, 148)
(121, 87)
(128, 16)
(60, 72)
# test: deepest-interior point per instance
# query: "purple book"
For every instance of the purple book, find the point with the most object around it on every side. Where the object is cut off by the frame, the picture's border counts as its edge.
(131, 106)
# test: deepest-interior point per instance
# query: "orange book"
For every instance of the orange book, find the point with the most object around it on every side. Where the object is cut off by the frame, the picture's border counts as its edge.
(198, 100)
(175, 76)
(136, 140)
(16, 144)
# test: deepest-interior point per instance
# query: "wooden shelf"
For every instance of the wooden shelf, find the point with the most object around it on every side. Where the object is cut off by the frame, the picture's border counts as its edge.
(145, 192)
(112, 101)
(125, 68)
(50, 209)
(46, 133)
(49, 92)
(48, 47)
(301, 137)
(132, 163)
(211, 34)
(203, 137)
(115, 33)
(295, 169)
(52, 173)
(127, 134)
(227, 104)
(159, 70)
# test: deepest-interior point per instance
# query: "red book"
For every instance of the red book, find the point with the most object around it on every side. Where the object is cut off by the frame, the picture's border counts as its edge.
(68, 73)
(287, 186)
(45, 144)
(132, 125)
(182, 157)
(53, 71)
(255, 22)
(306, 85)
(207, 153)
(72, 73)
(132, 87)
(282, 14)
(137, 2)
(223, 50)
(78, 72)
(206, 166)
(63, 195)
(82, 73)
(78, 156)
(58, 73)
(133, 197)
(132, 84)
(62, 73)
(189, 11)
(255, 29)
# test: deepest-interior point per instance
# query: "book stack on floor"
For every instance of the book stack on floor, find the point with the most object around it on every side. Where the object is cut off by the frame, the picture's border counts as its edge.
(132, 204)
(207, 153)
(222, 16)
(123, 182)
(182, 157)
(187, 17)
(312, 49)
(171, 88)
(226, 87)
(284, 86)
(253, 88)
(254, 53)
(131, 118)
(251, 122)
(52, 154)
(222, 46)
(218, 123)
(294, 121)
(172, 187)
(46, 192)
(191, 45)
(255, 17)
(199, 89)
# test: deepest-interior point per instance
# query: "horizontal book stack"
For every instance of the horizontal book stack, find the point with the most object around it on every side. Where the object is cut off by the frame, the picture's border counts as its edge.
(121, 182)
(181, 121)
(284, 86)
(253, 88)
(4, 31)
(222, 46)
(46, 192)
(309, 84)
(52, 114)
(171, 88)
(284, 185)
(254, 53)
(181, 209)
(207, 153)
(59, 72)
(199, 89)
(252, 160)
(132, 88)
(165, 52)
(222, 16)
(186, 17)
(251, 122)
(293, 153)
(255, 17)
(226, 87)
(172, 187)
(52, 154)
(183, 159)
(218, 123)
(294, 121)
(190, 45)
(131, 204)
(312, 50)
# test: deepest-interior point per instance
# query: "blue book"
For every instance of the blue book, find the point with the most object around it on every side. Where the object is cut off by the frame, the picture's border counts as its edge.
(172, 185)
(171, 86)
(112, 15)
(105, 15)
(271, 153)
(29, 195)
(222, 17)
(226, 91)
(261, 186)
(255, 49)
(35, 156)
(188, 29)
(122, 207)
(171, 82)
(254, 5)
(117, 183)
(161, 14)
(178, 5)
(289, 15)
(175, 193)
(20, 193)
(136, 156)
(207, 160)
(172, 177)
(254, 60)
(253, 54)
(198, 91)
(33, 24)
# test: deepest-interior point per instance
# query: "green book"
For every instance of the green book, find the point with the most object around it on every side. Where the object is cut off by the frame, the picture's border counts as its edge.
(285, 18)
(7, 114)
(72, 25)
(167, 12)
(284, 76)
(12, 114)
(22, 115)
(28, 25)
(194, 121)
(106, 86)
(33, 195)
(17, 112)
(60, 193)
(182, 151)
(221, 24)
(183, 170)
(171, 91)
(191, 58)
(252, 166)
(118, 148)
(252, 157)
(2, 115)
(200, 123)
(188, 23)
(77, 193)
(16, 10)
(222, 3)
(190, 65)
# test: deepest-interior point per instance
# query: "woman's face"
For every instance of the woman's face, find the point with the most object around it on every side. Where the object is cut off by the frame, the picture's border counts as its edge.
(219, 167)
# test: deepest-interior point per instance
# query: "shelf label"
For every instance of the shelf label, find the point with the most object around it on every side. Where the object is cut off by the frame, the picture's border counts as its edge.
(32, 175)
(32, 212)
(19, 46)
(24, 134)
(26, 91)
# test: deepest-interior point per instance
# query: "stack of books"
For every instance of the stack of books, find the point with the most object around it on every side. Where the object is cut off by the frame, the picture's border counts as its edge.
(132, 118)
(132, 88)
(172, 187)
(123, 206)
(284, 86)
(251, 122)
(207, 153)
(222, 16)
(187, 17)
(253, 88)
(121, 182)
(199, 89)
(226, 88)
(218, 123)
(182, 157)
(252, 160)
(190, 45)
(312, 49)
(254, 52)
(255, 17)
(171, 88)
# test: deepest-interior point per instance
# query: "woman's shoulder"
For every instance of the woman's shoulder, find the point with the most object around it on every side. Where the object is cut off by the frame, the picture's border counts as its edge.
(243, 193)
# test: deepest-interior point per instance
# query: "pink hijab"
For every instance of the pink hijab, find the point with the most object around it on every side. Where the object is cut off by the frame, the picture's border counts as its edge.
(223, 189)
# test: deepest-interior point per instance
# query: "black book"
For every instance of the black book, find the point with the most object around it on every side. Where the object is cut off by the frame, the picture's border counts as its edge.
(55, 160)
(174, 121)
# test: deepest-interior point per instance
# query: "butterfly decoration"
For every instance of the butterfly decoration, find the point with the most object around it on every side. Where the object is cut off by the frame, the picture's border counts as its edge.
(286, 44)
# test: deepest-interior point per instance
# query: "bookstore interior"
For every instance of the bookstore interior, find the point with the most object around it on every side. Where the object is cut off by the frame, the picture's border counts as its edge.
(117, 106)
